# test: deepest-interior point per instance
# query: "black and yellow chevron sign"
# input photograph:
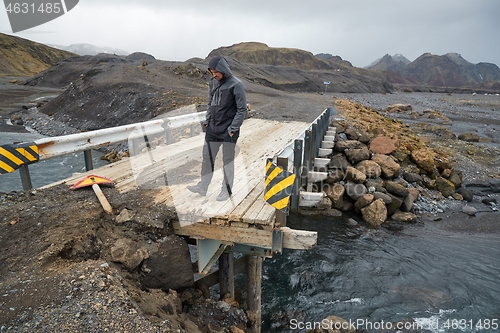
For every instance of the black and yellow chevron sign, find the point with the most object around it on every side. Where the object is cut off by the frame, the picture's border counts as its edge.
(279, 185)
(14, 155)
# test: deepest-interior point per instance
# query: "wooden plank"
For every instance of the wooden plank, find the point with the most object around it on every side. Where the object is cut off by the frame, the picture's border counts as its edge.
(292, 239)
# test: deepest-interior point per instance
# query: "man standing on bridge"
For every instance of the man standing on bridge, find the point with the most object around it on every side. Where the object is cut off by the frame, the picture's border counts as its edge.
(227, 108)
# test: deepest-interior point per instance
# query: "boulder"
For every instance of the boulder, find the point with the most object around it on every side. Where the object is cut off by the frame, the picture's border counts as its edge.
(379, 195)
(363, 201)
(334, 176)
(404, 217)
(469, 137)
(390, 169)
(466, 194)
(471, 211)
(369, 168)
(411, 177)
(357, 155)
(446, 173)
(407, 203)
(326, 203)
(355, 175)
(354, 191)
(414, 191)
(445, 186)
(336, 195)
(378, 184)
(339, 162)
(456, 178)
(341, 146)
(128, 253)
(424, 159)
(394, 205)
(375, 213)
(169, 267)
(396, 189)
(352, 134)
(382, 145)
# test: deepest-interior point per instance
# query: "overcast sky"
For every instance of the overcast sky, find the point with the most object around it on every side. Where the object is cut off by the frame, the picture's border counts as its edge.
(359, 31)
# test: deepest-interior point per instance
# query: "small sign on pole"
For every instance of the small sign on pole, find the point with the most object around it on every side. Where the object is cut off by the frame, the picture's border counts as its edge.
(326, 84)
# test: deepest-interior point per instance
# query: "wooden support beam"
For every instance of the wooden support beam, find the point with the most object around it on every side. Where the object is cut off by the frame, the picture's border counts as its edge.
(226, 276)
(292, 239)
(211, 279)
(254, 293)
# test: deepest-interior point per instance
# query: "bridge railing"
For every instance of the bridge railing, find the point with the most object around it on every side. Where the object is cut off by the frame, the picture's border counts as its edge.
(19, 156)
(302, 156)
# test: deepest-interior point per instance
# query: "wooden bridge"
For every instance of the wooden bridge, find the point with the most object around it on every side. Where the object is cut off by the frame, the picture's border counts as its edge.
(245, 223)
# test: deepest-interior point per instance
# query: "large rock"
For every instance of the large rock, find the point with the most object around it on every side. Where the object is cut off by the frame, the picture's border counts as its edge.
(379, 195)
(128, 253)
(370, 168)
(407, 203)
(394, 205)
(340, 162)
(355, 191)
(382, 145)
(341, 146)
(404, 217)
(363, 201)
(445, 186)
(357, 155)
(466, 194)
(424, 159)
(469, 137)
(396, 189)
(412, 177)
(375, 213)
(169, 267)
(334, 176)
(355, 175)
(390, 169)
(336, 194)
(456, 178)
(378, 184)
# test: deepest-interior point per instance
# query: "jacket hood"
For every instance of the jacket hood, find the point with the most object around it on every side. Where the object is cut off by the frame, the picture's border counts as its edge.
(220, 64)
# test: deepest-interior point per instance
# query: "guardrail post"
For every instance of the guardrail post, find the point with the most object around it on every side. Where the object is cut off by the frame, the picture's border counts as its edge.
(168, 133)
(314, 145)
(280, 216)
(87, 155)
(297, 170)
(305, 161)
(24, 172)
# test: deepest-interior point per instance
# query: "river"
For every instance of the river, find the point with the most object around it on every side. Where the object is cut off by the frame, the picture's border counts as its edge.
(444, 281)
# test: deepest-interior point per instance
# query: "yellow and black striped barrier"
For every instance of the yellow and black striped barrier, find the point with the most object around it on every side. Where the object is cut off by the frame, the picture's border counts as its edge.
(13, 156)
(278, 186)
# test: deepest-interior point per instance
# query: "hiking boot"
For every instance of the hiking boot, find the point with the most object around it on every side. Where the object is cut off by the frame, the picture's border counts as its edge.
(223, 196)
(197, 189)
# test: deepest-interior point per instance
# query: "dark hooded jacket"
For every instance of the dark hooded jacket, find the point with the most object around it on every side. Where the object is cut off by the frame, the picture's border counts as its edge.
(227, 103)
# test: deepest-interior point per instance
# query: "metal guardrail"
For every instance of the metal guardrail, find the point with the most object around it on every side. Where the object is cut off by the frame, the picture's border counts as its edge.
(300, 153)
(13, 156)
